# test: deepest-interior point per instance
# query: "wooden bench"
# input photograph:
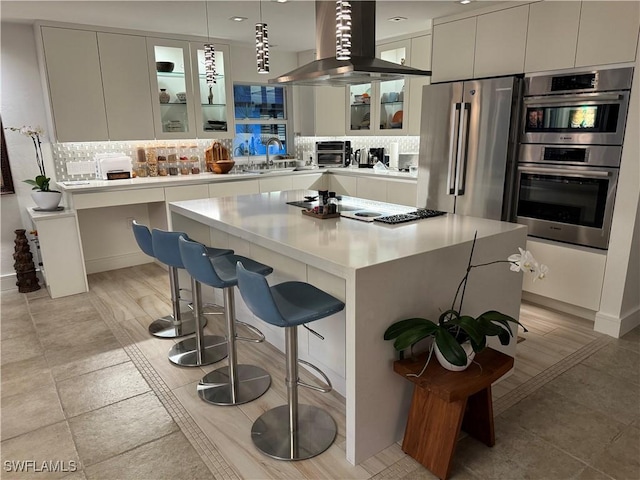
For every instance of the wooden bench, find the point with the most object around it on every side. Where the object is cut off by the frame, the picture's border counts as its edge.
(445, 401)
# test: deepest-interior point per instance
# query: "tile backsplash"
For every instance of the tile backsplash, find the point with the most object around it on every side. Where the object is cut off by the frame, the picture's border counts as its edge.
(64, 153)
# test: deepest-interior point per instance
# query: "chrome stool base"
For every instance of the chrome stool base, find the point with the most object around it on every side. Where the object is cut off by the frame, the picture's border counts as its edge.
(315, 433)
(165, 327)
(185, 353)
(251, 382)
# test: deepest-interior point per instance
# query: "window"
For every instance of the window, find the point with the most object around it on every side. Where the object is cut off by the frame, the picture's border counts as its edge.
(260, 114)
(7, 181)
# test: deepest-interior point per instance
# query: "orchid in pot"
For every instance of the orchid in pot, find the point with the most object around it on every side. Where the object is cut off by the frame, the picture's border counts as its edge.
(457, 337)
(45, 198)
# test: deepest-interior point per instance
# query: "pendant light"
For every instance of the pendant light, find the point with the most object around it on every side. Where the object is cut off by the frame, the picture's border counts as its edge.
(262, 45)
(343, 30)
(209, 54)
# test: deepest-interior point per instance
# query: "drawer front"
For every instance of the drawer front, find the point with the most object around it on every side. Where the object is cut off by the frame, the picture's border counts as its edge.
(112, 199)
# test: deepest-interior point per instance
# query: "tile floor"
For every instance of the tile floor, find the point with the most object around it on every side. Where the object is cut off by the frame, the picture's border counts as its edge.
(87, 394)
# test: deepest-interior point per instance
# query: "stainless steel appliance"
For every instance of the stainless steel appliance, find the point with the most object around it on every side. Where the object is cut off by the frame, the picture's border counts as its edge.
(567, 193)
(467, 146)
(572, 131)
(333, 153)
(577, 108)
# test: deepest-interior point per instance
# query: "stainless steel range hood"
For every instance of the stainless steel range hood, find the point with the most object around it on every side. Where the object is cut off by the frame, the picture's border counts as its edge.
(363, 66)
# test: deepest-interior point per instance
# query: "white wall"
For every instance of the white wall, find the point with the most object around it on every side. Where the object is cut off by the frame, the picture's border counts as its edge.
(21, 103)
(620, 303)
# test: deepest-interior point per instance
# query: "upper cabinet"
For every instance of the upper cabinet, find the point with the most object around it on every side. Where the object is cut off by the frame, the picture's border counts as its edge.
(75, 84)
(127, 98)
(420, 58)
(500, 42)
(453, 50)
(213, 110)
(608, 33)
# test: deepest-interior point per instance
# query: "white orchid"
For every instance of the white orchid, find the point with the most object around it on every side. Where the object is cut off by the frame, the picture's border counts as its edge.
(541, 272)
(41, 181)
(523, 261)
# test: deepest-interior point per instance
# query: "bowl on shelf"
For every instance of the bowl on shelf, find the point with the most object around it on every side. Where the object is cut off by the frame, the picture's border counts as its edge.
(223, 166)
(164, 66)
(397, 118)
(182, 97)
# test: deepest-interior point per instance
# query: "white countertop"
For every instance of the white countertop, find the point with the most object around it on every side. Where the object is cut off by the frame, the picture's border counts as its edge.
(82, 186)
(339, 245)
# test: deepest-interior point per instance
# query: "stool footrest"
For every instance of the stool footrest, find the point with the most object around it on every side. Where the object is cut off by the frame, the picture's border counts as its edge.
(253, 329)
(166, 327)
(326, 389)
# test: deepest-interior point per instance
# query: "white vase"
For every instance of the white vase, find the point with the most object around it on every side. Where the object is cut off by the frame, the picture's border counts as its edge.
(466, 346)
(46, 200)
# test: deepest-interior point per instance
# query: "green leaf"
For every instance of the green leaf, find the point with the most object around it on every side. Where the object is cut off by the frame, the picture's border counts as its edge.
(450, 348)
(402, 326)
(470, 326)
(488, 328)
(447, 316)
(478, 347)
(408, 338)
(505, 337)
(501, 318)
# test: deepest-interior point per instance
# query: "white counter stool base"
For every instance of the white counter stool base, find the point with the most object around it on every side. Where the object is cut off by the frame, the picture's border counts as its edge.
(292, 431)
(232, 384)
(191, 352)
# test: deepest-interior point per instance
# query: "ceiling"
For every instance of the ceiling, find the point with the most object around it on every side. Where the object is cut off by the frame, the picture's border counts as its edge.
(291, 24)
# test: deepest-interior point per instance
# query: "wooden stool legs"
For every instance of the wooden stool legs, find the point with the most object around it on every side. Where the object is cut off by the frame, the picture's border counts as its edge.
(434, 424)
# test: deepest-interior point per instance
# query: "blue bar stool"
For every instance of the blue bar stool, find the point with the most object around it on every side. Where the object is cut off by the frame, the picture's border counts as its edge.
(180, 324)
(292, 431)
(233, 384)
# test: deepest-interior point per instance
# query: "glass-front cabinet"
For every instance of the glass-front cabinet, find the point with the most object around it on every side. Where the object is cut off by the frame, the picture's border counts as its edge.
(214, 118)
(379, 107)
(171, 79)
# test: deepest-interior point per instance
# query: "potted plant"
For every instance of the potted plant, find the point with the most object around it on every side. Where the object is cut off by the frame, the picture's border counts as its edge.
(45, 198)
(458, 337)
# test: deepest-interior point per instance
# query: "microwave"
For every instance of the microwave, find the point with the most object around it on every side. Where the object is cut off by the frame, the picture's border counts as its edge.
(333, 153)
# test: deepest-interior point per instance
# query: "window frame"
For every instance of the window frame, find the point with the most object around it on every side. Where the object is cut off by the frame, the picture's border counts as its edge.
(7, 179)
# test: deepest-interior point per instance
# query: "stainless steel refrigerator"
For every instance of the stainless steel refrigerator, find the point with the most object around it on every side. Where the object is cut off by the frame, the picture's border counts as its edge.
(468, 146)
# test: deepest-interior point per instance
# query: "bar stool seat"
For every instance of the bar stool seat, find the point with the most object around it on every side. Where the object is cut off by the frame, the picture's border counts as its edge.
(292, 431)
(233, 384)
(165, 249)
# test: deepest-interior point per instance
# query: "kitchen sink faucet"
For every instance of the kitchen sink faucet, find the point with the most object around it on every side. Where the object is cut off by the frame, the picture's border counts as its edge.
(271, 140)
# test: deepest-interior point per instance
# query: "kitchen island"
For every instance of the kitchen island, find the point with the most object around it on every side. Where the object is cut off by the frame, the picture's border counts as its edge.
(383, 273)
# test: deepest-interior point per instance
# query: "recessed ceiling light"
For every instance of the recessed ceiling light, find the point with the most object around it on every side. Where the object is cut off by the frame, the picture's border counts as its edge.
(238, 19)
(465, 2)
(397, 19)
(280, 1)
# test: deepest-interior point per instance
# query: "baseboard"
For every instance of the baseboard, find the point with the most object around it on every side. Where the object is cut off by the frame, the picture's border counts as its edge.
(617, 326)
(8, 281)
(559, 306)
(118, 261)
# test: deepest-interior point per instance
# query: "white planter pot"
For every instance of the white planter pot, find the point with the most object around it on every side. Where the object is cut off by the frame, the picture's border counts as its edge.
(466, 346)
(46, 200)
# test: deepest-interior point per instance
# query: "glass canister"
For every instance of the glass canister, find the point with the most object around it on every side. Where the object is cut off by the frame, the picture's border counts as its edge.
(141, 155)
(194, 159)
(163, 167)
(152, 162)
(185, 166)
(140, 169)
(172, 160)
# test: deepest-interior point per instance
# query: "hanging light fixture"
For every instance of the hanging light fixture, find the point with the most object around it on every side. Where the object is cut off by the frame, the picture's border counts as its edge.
(262, 45)
(343, 30)
(209, 54)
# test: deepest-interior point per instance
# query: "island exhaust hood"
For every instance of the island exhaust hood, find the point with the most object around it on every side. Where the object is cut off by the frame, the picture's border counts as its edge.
(363, 66)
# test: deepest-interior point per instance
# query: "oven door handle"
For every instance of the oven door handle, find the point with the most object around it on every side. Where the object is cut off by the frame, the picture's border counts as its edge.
(565, 171)
(454, 133)
(540, 101)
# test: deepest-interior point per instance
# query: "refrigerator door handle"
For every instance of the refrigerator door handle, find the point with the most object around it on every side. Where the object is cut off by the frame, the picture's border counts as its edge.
(461, 167)
(454, 133)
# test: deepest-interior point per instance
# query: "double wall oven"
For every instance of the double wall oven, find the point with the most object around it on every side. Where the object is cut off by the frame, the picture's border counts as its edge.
(569, 154)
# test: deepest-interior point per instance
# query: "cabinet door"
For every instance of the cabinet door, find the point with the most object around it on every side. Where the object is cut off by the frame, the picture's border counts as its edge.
(420, 58)
(402, 193)
(275, 184)
(213, 103)
(372, 189)
(315, 181)
(343, 185)
(453, 50)
(329, 105)
(552, 36)
(360, 109)
(172, 117)
(392, 99)
(608, 33)
(75, 85)
(127, 96)
(500, 42)
(231, 189)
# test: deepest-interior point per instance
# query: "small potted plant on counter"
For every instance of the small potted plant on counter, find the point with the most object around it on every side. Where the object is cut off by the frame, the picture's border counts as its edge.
(42, 195)
(457, 337)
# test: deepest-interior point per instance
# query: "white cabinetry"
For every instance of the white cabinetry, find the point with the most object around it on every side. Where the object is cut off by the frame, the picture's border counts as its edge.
(316, 181)
(453, 50)
(275, 184)
(372, 188)
(552, 36)
(75, 85)
(500, 42)
(402, 192)
(421, 59)
(343, 184)
(228, 189)
(127, 96)
(608, 32)
(383, 189)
